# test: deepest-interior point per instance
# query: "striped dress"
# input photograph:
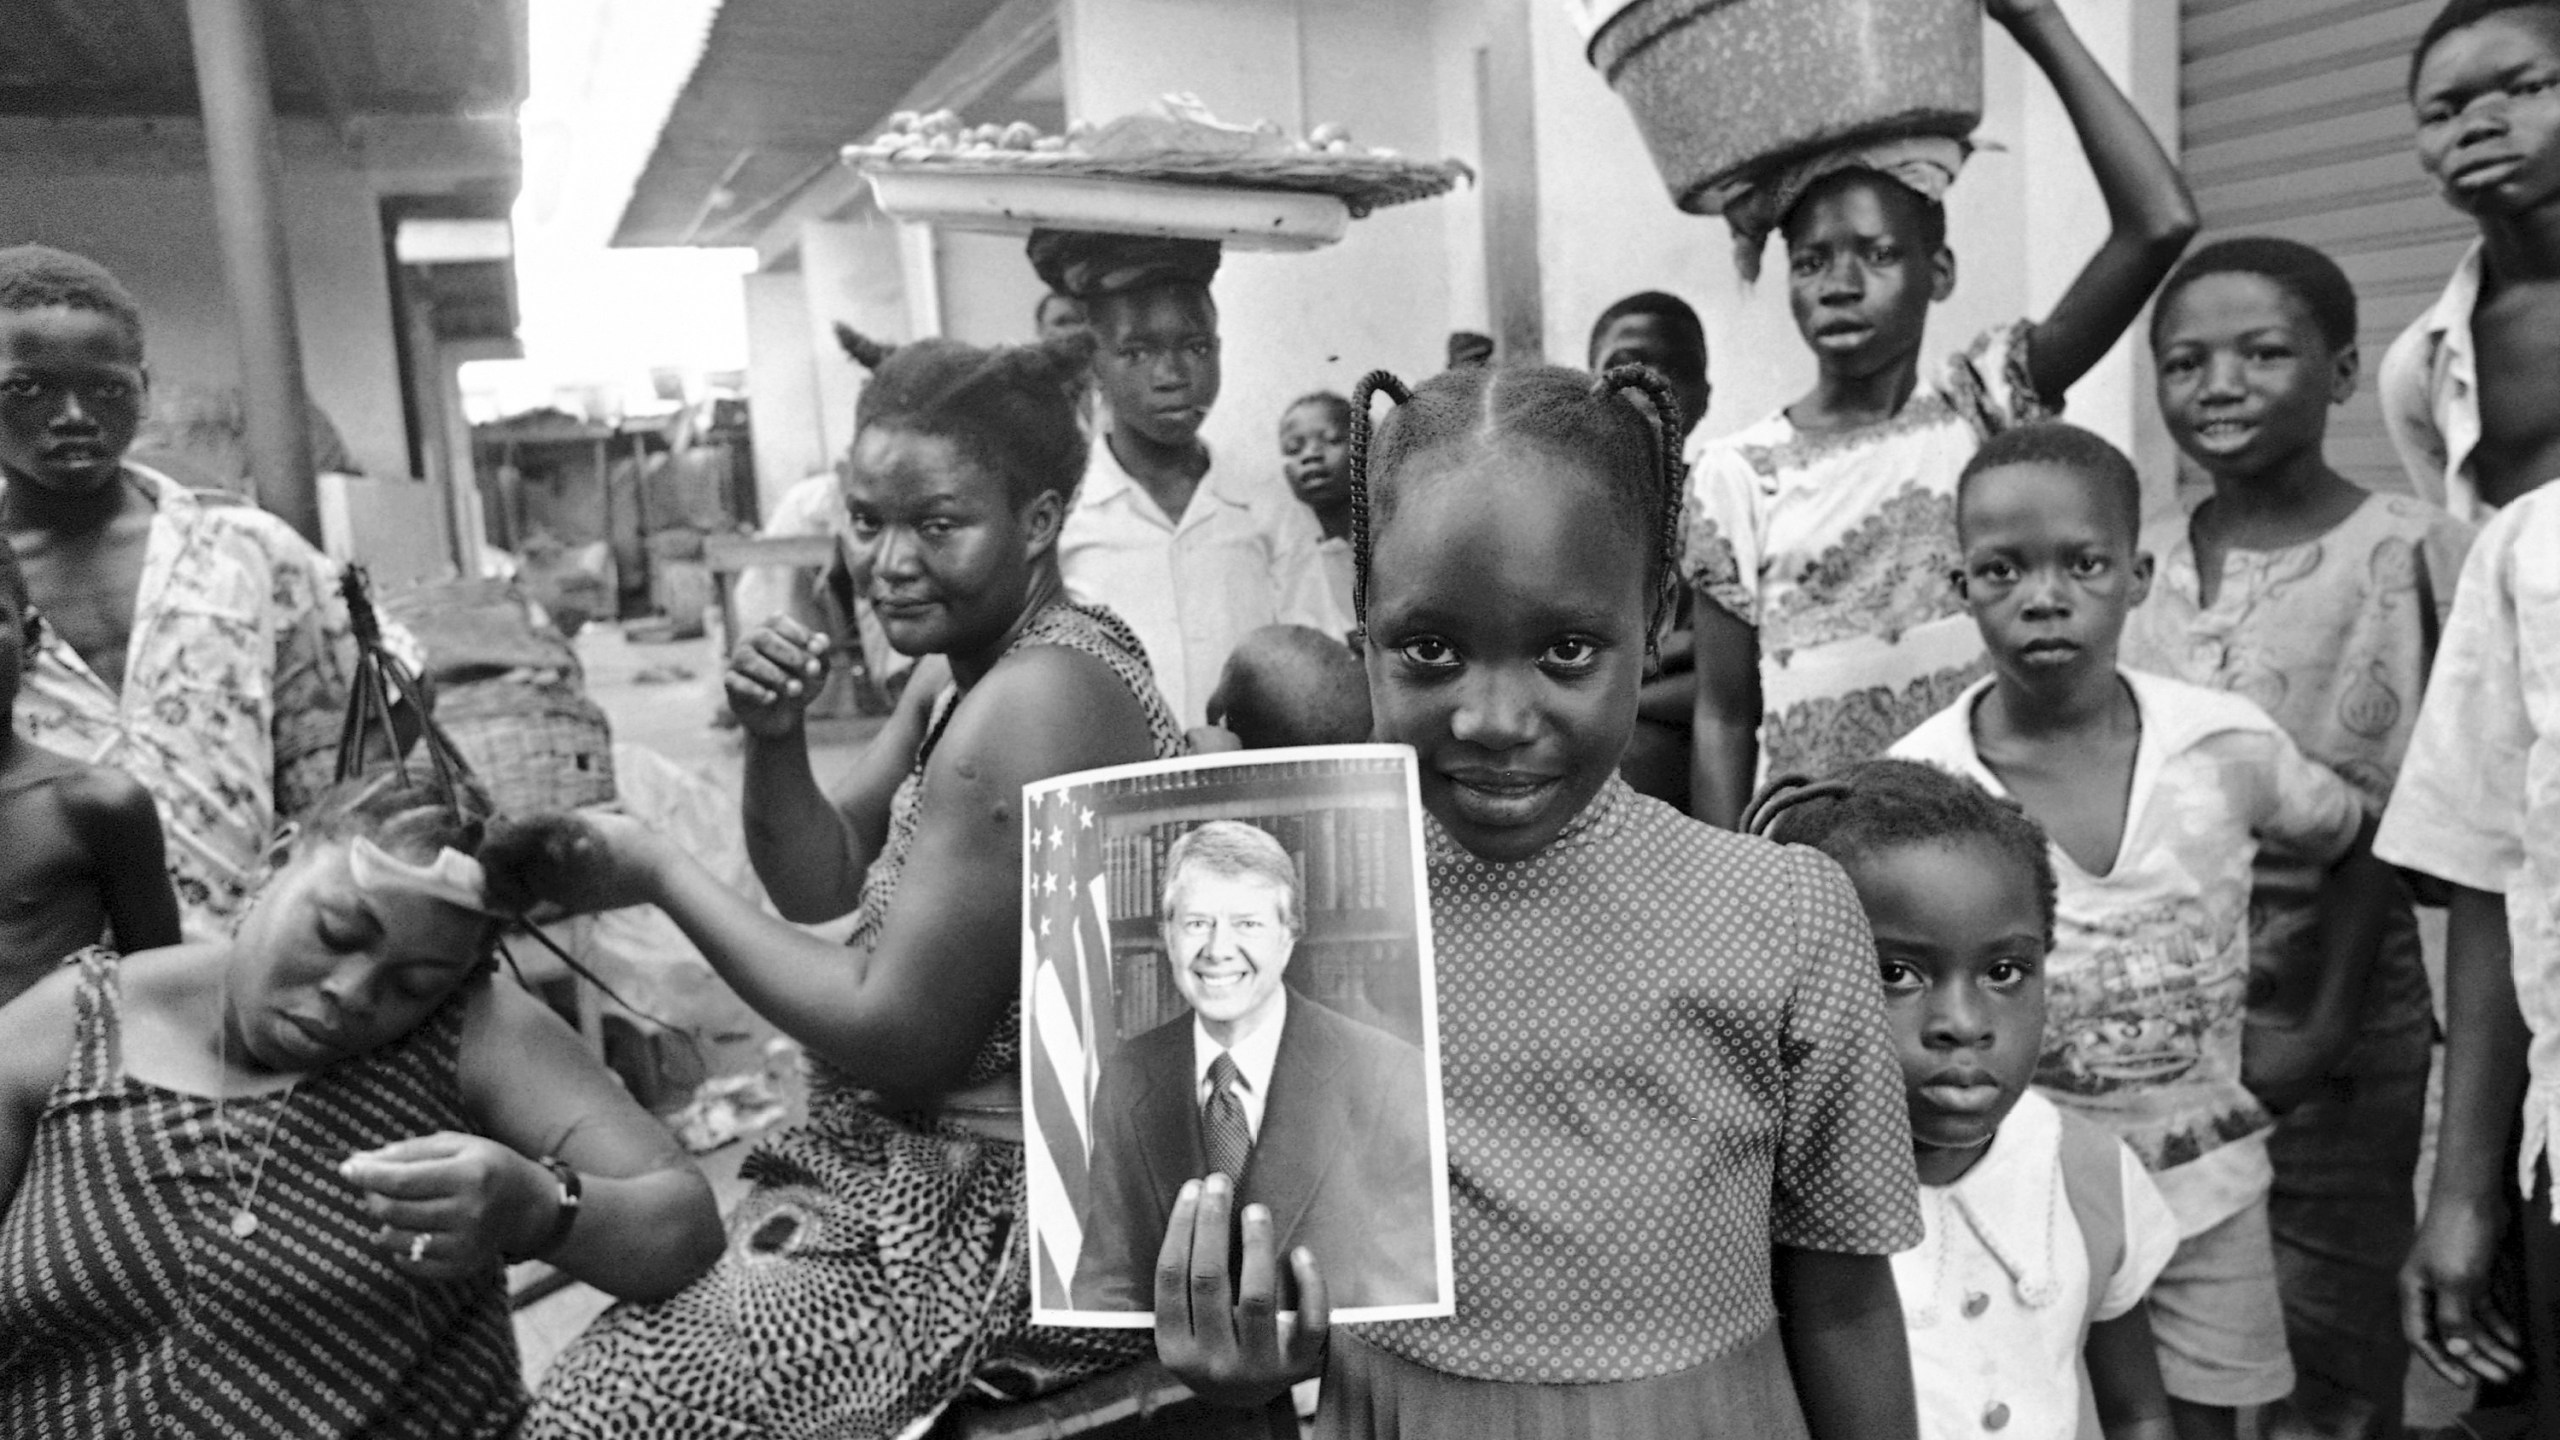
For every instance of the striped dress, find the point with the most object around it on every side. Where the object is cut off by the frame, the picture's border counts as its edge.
(128, 1306)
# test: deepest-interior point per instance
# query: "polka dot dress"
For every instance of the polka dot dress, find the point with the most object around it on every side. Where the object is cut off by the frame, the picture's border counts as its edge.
(1663, 1052)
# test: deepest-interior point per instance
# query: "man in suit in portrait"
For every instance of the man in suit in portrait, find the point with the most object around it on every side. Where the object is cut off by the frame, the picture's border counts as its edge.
(1316, 1117)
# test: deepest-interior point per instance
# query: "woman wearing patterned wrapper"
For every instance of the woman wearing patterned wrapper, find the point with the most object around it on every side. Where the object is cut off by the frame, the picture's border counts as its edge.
(269, 1185)
(877, 1271)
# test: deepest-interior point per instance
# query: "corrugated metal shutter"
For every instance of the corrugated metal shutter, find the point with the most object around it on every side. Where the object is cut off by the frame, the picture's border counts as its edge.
(2295, 119)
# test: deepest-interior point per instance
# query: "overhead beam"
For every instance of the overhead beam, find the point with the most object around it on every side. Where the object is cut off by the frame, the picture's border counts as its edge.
(303, 25)
(1014, 38)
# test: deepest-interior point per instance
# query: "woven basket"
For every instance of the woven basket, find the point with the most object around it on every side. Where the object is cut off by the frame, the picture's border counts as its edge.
(533, 746)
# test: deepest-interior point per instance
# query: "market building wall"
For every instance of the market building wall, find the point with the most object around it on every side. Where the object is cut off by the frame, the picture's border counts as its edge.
(782, 378)
(134, 195)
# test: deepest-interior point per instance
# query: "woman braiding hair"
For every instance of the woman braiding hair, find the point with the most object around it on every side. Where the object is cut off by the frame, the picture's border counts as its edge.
(877, 1270)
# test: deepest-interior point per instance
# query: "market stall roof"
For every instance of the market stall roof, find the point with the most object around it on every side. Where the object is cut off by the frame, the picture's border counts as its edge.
(334, 59)
(780, 88)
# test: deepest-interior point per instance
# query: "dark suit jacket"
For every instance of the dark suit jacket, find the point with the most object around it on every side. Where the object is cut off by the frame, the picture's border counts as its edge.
(1343, 1161)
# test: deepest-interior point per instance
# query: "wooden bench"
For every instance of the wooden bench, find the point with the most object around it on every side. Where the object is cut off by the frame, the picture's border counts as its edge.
(727, 555)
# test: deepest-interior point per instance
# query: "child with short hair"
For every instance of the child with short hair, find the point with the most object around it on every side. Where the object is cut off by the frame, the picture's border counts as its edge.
(1315, 458)
(2157, 796)
(1190, 555)
(1287, 685)
(1818, 534)
(2322, 602)
(84, 858)
(1656, 328)
(2466, 389)
(1678, 1156)
(2478, 807)
(2024, 1301)
(198, 644)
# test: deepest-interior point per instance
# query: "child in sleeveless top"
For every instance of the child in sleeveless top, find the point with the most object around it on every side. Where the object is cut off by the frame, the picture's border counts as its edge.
(1678, 1158)
(2025, 1301)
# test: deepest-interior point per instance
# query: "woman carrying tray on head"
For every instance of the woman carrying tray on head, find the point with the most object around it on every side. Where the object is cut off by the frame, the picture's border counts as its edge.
(877, 1271)
(1194, 555)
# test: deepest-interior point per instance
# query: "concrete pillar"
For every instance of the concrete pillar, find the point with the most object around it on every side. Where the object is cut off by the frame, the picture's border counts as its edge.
(782, 376)
(240, 143)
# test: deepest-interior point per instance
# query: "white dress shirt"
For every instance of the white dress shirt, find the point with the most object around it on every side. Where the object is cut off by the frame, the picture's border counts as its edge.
(1254, 1057)
(1241, 557)
(2429, 389)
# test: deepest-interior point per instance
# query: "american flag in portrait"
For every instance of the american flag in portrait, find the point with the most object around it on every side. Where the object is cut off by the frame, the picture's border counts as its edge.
(1069, 1020)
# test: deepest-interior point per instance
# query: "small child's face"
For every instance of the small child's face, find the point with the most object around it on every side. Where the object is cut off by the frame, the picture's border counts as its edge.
(1315, 455)
(1960, 939)
(2050, 571)
(2488, 107)
(71, 392)
(2246, 378)
(325, 969)
(1858, 279)
(1506, 641)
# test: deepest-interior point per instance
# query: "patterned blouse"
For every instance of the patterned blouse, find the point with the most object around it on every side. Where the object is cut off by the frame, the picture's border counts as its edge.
(1663, 1051)
(2333, 638)
(235, 686)
(1837, 549)
(2146, 989)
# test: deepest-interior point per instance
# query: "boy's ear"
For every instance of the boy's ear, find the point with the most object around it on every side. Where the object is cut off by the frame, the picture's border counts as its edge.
(1942, 275)
(1955, 581)
(2143, 565)
(2346, 369)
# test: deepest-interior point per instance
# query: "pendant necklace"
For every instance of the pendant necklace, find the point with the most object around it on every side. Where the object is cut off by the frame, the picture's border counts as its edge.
(244, 1218)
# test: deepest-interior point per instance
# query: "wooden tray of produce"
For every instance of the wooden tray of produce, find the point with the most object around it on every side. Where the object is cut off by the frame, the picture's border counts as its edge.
(1176, 173)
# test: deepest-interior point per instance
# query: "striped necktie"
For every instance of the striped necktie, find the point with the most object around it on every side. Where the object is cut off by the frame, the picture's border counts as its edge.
(1222, 1123)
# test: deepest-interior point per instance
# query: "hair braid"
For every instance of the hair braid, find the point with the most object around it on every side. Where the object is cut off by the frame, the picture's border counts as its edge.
(1784, 793)
(1361, 396)
(1674, 475)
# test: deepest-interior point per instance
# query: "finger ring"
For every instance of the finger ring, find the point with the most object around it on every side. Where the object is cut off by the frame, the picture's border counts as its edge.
(418, 1248)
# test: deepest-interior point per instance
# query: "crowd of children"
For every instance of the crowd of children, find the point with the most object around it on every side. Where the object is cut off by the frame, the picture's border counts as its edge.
(2107, 840)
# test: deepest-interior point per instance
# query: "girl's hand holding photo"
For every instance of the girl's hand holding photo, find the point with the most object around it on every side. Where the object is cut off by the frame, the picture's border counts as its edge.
(1232, 1345)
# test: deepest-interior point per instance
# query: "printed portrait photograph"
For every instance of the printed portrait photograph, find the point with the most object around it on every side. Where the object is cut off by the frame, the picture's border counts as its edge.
(1227, 970)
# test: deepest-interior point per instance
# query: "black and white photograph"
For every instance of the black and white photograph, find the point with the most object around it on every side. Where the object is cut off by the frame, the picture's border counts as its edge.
(1805, 718)
(1227, 970)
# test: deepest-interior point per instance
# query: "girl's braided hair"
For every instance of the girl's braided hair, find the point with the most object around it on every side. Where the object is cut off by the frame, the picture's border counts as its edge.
(1571, 413)
(1878, 805)
(1011, 409)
